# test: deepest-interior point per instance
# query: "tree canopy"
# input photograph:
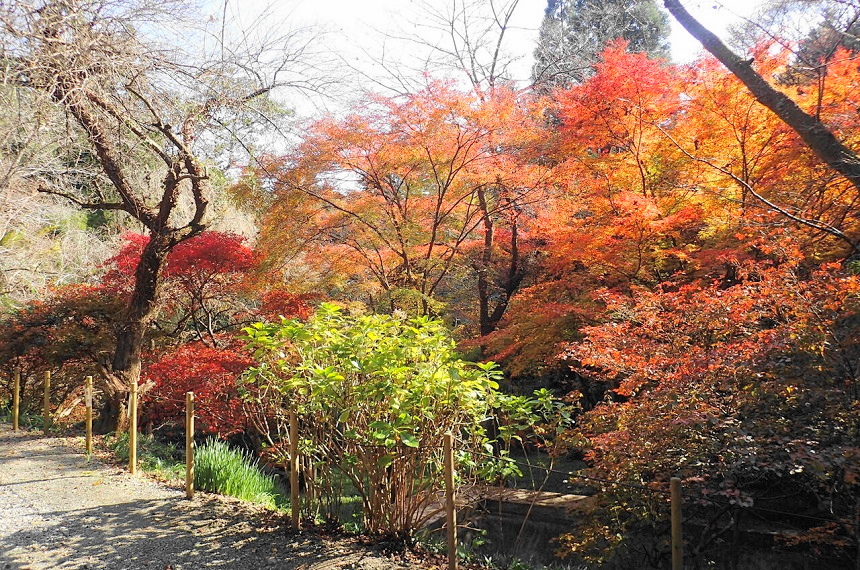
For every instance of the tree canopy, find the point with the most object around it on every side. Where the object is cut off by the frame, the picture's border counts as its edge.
(669, 250)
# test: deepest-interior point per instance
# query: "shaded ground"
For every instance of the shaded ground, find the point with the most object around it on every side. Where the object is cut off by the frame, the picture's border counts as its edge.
(58, 510)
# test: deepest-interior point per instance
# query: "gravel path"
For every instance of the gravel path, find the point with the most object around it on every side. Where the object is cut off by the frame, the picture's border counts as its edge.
(58, 510)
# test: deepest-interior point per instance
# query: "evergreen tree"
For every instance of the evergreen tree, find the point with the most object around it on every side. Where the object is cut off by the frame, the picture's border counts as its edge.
(574, 32)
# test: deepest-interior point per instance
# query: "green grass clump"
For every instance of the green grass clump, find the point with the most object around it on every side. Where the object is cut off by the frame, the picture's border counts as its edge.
(164, 460)
(26, 420)
(220, 469)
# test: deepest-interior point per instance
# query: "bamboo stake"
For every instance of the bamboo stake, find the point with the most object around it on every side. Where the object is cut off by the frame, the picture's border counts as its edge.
(295, 506)
(46, 402)
(16, 398)
(677, 546)
(189, 445)
(450, 507)
(857, 534)
(132, 429)
(88, 399)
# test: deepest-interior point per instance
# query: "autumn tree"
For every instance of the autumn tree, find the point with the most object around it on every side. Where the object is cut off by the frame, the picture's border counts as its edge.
(207, 297)
(66, 332)
(403, 187)
(468, 42)
(205, 284)
(747, 392)
(142, 109)
(683, 265)
(817, 134)
(751, 157)
(211, 373)
(621, 212)
(814, 31)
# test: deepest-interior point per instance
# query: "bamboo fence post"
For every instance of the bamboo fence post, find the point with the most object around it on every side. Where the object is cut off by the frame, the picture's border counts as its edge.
(295, 506)
(677, 546)
(450, 507)
(189, 445)
(857, 534)
(88, 399)
(46, 402)
(132, 429)
(16, 398)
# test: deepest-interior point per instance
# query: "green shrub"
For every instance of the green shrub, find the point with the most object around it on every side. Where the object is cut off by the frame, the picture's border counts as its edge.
(220, 469)
(373, 395)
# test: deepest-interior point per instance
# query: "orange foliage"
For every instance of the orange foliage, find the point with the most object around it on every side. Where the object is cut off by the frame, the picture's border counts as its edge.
(665, 172)
(397, 193)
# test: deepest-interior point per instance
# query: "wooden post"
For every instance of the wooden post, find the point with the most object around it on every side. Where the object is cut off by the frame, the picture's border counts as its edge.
(16, 398)
(450, 507)
(677, 546)
(189, 445)
(46, 402)
(295, 506)
(88, 399)
(857, 534)
(132, 429)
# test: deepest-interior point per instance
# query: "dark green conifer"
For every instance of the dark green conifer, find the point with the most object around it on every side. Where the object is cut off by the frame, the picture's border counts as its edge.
(574, 32)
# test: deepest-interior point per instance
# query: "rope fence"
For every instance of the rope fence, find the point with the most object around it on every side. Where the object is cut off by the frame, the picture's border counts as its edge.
(448, 446)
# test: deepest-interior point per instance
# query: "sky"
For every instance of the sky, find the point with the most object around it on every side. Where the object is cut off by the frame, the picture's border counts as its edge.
(360, 19)
(356, 28)
(716, 16)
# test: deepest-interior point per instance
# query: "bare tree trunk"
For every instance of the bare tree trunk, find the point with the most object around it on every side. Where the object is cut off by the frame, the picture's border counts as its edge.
(488, 320)
(113, 416)
(485, 324)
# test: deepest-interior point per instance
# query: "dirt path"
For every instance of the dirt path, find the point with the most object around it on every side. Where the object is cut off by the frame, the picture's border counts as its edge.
(58, 510)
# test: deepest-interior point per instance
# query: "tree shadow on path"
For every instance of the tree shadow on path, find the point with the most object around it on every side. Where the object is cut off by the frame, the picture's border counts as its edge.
(59, 510)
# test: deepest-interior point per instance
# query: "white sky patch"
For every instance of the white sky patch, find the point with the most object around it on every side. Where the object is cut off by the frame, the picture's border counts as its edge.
(355, 30)
(358, 22)
(717, 16)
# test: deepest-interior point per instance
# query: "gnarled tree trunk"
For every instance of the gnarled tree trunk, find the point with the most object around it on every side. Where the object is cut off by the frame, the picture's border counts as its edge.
(142, 309)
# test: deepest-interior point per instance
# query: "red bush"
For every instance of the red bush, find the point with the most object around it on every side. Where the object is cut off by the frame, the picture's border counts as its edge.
(211, 373)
